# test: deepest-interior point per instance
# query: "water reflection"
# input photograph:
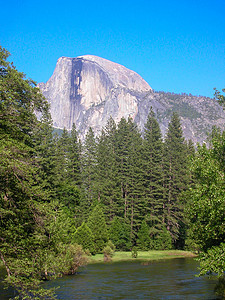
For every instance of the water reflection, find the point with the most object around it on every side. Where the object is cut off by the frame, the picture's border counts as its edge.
(169, 279)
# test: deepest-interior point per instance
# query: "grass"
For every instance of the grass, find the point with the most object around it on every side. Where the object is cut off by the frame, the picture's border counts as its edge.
(143, 256)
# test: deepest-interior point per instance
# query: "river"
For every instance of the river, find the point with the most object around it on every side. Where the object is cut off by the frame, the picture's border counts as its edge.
(168, 279)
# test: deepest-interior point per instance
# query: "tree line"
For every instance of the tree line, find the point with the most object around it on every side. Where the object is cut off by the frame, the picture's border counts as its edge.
(135, 182)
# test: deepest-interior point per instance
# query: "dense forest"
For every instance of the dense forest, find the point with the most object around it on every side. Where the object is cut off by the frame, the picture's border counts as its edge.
(62, 199)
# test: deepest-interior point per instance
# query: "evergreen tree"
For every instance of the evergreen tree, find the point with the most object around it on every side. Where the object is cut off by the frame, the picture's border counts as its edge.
(119, 234)
(153, 175)
(143, 240)
(106, 171)
(84, 237)
(220, 97)
(45, 154)
(21, 232)
(176, 177)
(74, 158)
(130, 172)
(67, 190)
(62, 150)
(163, 241)
(89, 172)
(31, 231)
(96, 223)
(72, 182)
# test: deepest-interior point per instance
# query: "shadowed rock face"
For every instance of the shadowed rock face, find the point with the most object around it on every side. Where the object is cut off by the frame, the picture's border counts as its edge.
(87, 90)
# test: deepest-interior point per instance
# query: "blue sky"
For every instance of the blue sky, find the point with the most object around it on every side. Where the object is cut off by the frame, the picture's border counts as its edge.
(176, 46)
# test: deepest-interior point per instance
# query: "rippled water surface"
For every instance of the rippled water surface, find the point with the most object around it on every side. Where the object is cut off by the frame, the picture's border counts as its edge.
(169, 279)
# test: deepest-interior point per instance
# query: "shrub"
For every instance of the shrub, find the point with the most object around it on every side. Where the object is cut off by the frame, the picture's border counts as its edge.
(108, 253)
(134, 252)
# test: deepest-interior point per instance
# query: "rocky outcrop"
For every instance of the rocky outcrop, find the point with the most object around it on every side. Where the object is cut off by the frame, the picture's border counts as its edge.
(87, 90)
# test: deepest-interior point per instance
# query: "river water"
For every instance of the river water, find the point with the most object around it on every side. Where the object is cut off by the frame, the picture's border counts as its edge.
(168, 279)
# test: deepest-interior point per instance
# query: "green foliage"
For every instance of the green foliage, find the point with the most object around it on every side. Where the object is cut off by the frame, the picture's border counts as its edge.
(220, 288)
(88, 171)
(108, 189)
(184, 109)
(119, 234)
(67, 175)
(35, 230)
(143, 240)
(206, 207)
(111, 245)
(59, 223)
(153, 174)
(69, 194)
(73, 257)
(62, 149)
(176, 176)
(128, 148)
(219, 97)
(190, 243)
(45, 156)
(162, 241)
(134, 252)
(19, 99)
(108, 251)
(74, 158)
(96, 223)
(213, 261)
(84, 237)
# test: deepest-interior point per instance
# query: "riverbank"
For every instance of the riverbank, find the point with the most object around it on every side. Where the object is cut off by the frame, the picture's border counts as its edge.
(144, 256)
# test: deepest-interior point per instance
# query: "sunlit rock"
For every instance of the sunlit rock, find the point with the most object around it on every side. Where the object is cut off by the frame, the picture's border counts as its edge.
(87, 90)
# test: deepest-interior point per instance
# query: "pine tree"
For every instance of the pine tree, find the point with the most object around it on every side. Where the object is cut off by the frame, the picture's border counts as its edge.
(74, 158)
(62, 149)
(143, 240)
(153, 175)
(89, 172)
(163, 241)
(67, 191)
(34, 244)
(96, 223)
(119, 234)
(84, 237)
(71, 184)
(21, 214)
(130, 172)
(45, 154)
(176, 176)
(107, 181)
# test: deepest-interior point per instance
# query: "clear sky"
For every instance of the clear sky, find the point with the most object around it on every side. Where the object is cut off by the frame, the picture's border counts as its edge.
(176, 46)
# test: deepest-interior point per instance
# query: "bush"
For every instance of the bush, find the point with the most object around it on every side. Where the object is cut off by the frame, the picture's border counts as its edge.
(220, 288)
(74, 257)
(134, 252)
(108, 253)
(84, 237)
(111, 245)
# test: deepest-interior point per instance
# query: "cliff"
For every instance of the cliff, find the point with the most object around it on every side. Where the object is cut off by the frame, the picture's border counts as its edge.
(87, 90)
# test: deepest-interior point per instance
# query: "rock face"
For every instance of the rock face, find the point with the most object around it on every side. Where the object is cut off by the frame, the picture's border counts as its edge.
(87, 90)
